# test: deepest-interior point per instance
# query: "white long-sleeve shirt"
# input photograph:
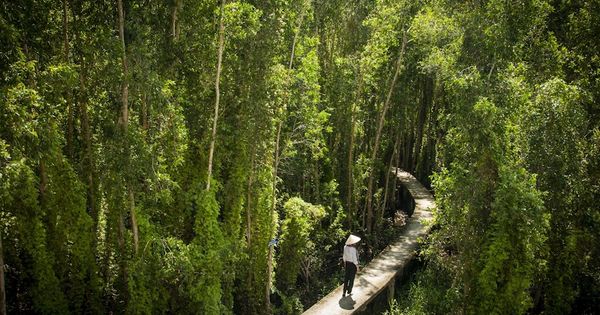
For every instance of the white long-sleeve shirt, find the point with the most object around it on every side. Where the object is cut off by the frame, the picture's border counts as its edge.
(351, 254)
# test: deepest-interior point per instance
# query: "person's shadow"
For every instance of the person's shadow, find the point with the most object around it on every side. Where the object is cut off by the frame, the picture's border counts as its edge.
(347, 302)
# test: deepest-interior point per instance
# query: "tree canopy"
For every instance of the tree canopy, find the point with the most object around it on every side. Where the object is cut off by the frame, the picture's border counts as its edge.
(212, 156)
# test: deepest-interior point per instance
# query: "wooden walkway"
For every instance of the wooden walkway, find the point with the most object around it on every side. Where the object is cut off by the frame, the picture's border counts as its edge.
(380, 273)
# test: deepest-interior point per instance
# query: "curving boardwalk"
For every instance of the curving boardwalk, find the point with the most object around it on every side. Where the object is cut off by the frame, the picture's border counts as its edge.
(380, 273)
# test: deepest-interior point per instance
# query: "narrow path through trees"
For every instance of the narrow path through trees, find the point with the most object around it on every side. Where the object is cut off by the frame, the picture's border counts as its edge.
(381, 272)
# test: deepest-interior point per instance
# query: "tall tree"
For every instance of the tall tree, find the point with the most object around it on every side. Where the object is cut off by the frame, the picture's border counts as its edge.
(213, 136)
(277, 150)
(66, 52)
(124, 125)
(380, 122)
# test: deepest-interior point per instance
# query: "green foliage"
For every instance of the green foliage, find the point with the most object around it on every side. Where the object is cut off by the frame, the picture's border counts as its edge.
(387, 22)
(296, 239)
(22, 221)
(497, 99)
(517, 234)
(438, 38)
(290, 305)
(429, 292)
(556, 140)
(206, 253)
(490, 210)
(232, 221)
(241, 19)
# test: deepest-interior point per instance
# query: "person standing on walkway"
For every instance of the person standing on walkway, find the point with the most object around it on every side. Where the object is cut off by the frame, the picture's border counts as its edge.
(350, 263)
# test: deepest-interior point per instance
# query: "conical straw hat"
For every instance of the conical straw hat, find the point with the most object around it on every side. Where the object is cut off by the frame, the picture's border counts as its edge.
(352, 239)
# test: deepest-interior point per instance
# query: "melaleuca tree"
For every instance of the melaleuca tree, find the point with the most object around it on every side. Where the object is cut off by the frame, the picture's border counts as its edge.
(70, 233)
(292, 96)
(246, 141)
(28, 124)
(339, 49)
(158, 140)
(574, 97)
(242, 22)
(303, 141)
(300, 219)
(388, 24)
(438, 40)
(262, 229)
(494, 276)
(69, 224)
(491, 214)
(206, 251)
(557, 115)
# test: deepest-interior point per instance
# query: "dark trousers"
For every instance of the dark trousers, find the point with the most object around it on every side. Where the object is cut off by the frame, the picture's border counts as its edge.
(349, 277)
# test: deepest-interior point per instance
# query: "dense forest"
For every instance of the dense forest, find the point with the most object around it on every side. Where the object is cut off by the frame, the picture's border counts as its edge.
(211, 157)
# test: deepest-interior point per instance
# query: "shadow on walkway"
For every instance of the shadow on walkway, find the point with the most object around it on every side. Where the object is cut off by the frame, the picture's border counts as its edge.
(347, 302)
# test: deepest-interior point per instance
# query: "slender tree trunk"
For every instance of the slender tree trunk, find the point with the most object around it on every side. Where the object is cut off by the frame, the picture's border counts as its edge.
(106, 266)
(317, 192)
(213, 136)
(124, 124)
(425, 105)
(65, 30)
(424, 165)
(2, 289)
(276, 166)
(369, 206)
(50, 213)
(251, 260)
(43, 180)
(433, 137)
(350, 175)
(275, 171)
(396, 166)
(273, 202)
(249, 199)
(88, 159)
(144, 111)
(122, 256)
(408, 146)
(174, 20)
(124, 117)
(70, 127)
(69, 96)
(387, 176)
(270, 271)
(301, 20)
(134, 225)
